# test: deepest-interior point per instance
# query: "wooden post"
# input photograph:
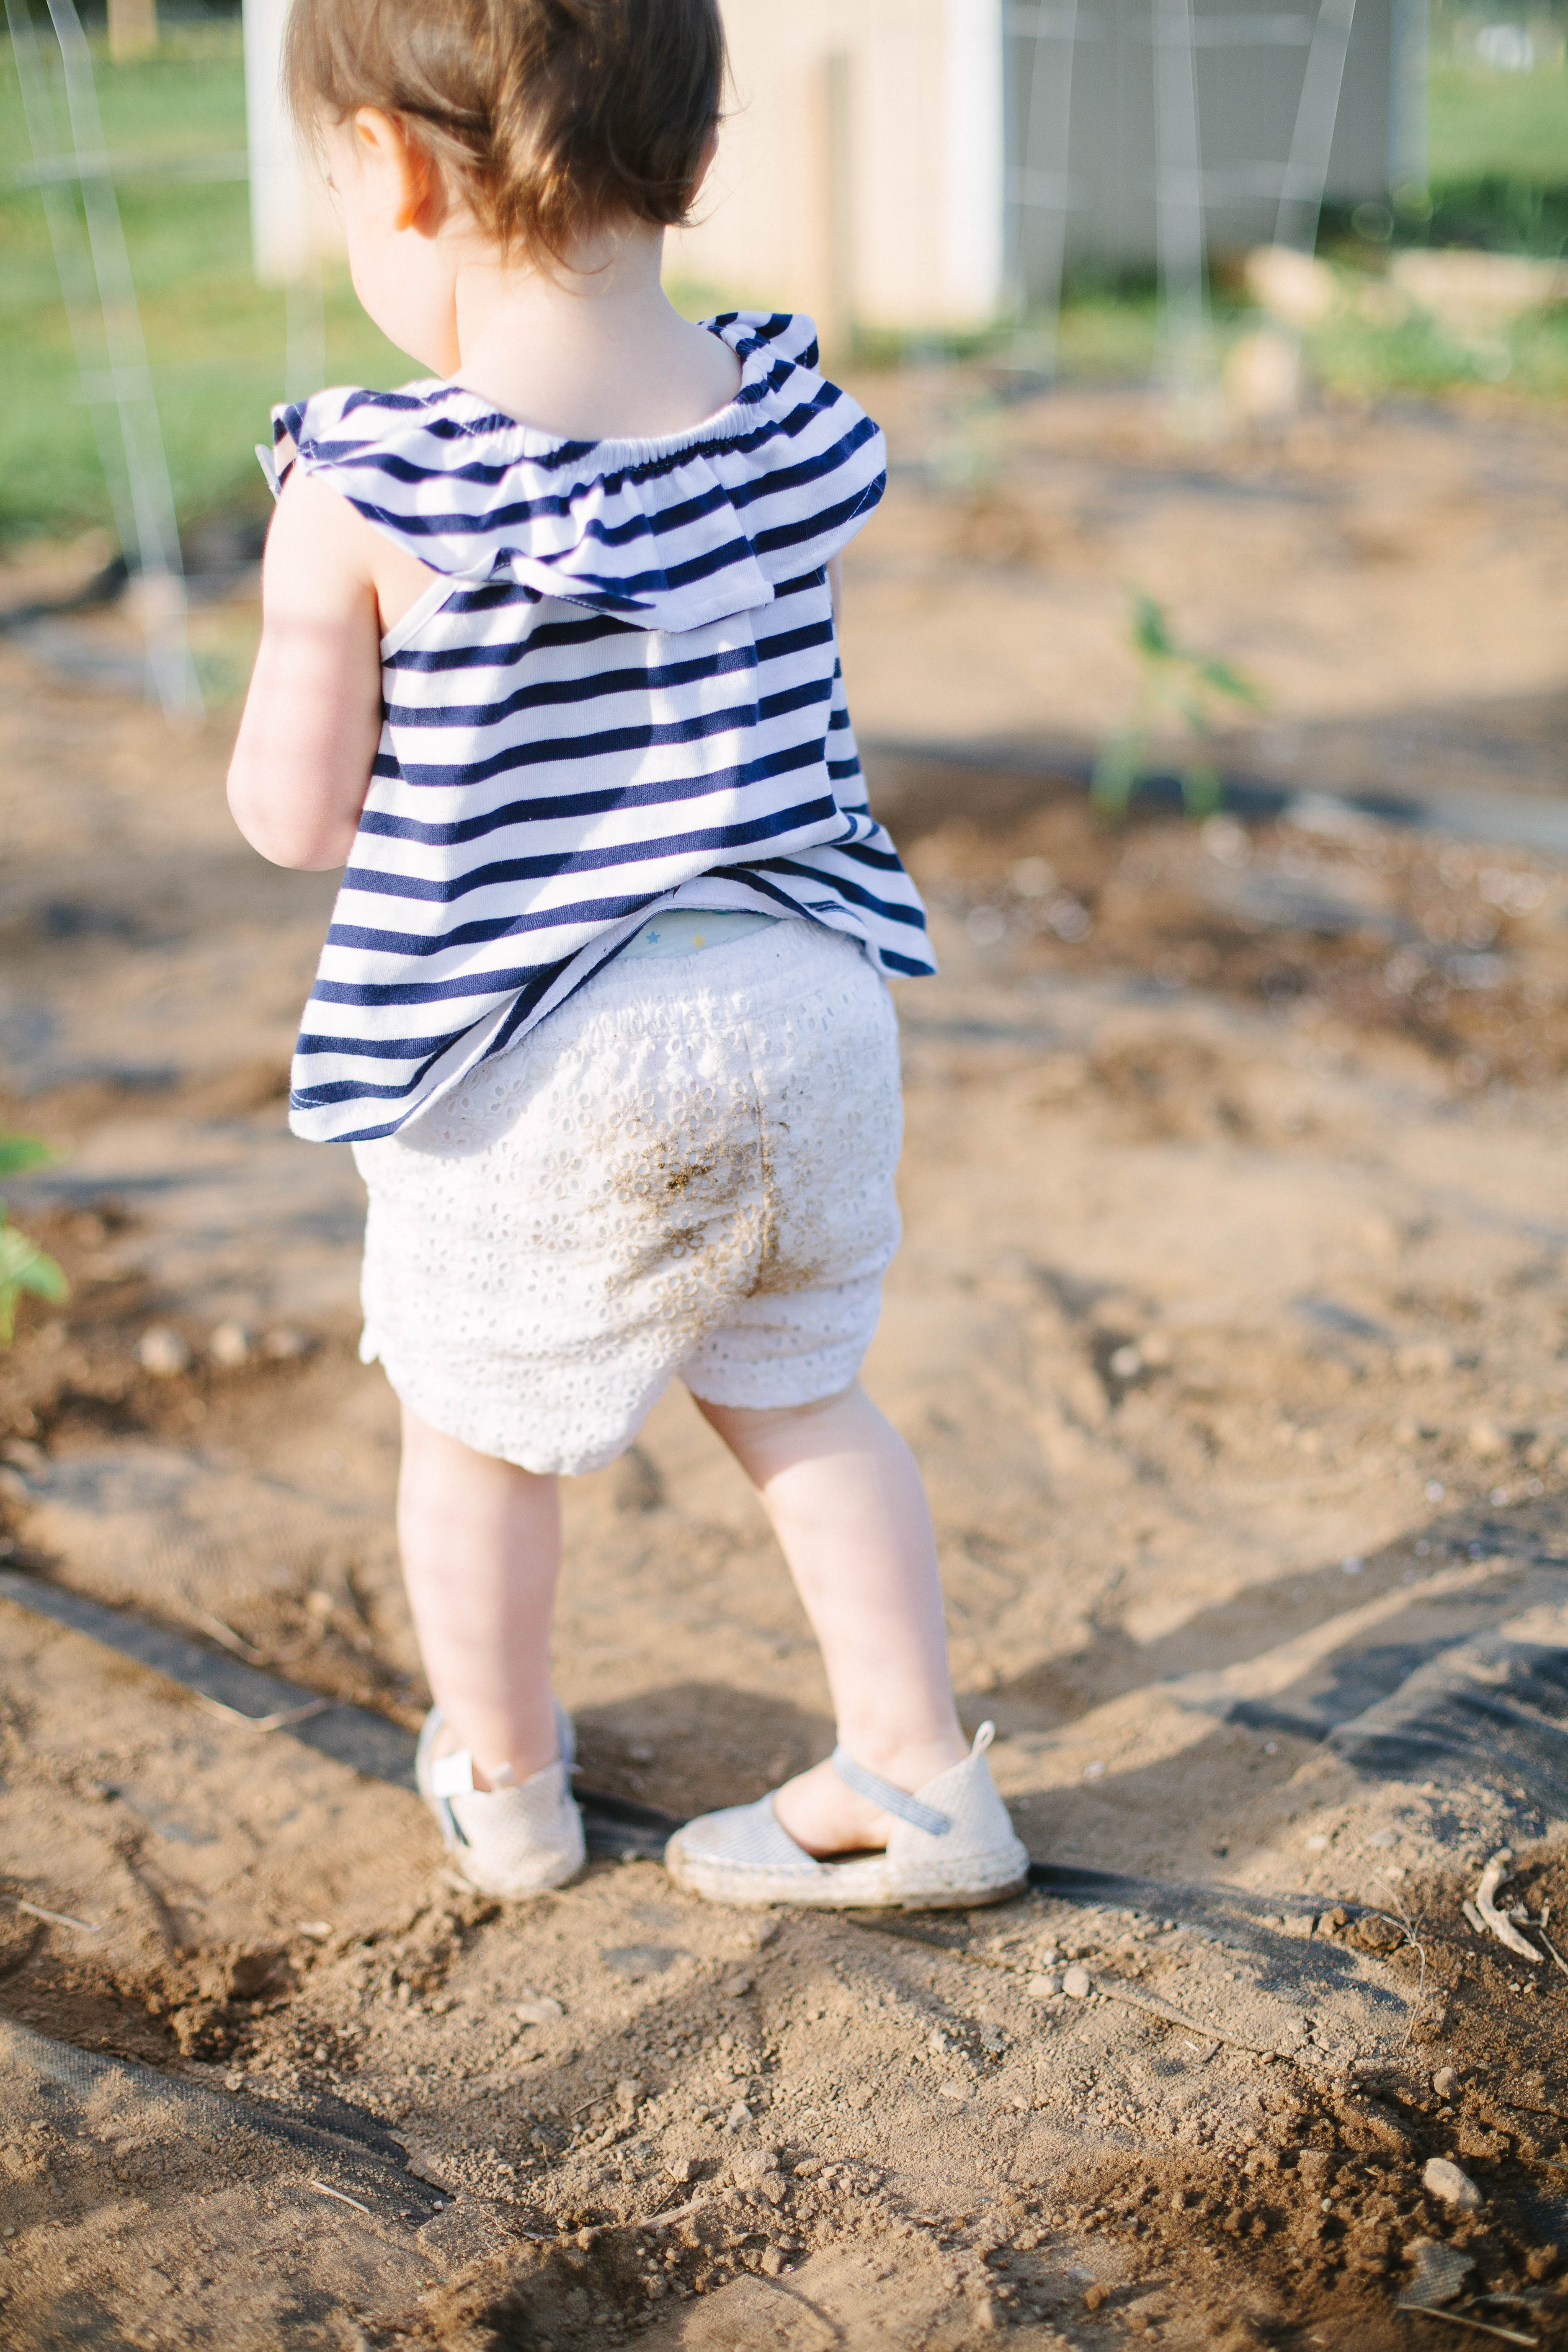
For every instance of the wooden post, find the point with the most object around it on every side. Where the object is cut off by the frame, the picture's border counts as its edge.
(132, 29)
(833, 301)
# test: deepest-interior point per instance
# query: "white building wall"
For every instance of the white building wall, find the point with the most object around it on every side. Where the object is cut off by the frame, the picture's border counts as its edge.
(973, 160)
(860, 170)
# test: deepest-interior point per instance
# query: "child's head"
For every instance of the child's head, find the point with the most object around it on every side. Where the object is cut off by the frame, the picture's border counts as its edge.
(549, 120)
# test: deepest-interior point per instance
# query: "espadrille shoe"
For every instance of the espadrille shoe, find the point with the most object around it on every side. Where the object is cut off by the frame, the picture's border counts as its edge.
(516, 1841)
(952, 1846)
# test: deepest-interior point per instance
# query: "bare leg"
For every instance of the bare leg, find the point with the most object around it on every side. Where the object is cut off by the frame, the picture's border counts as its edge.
(481, 1552)
(846, 1501)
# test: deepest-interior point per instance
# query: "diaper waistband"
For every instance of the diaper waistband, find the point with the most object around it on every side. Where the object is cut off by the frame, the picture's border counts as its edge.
(686, 931)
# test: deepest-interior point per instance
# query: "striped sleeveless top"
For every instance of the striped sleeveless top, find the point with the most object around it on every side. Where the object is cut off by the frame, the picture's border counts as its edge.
(620, 693)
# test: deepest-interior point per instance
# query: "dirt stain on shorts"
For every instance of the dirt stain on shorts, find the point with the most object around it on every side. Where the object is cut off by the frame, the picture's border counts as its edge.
(689, 1170)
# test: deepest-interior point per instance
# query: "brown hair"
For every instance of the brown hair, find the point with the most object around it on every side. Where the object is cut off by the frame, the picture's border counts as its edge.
(550, 117)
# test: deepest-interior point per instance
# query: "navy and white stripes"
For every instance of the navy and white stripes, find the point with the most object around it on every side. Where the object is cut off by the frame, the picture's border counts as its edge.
(621, 692)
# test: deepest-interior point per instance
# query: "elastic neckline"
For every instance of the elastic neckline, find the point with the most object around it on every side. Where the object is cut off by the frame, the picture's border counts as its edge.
(487, 421)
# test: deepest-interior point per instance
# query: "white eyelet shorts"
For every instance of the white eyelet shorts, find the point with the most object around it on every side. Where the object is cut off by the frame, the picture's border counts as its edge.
(686, 1171)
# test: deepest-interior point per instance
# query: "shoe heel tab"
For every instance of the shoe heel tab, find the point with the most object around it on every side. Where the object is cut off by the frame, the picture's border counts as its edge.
(452, 1776)
(982, 1738)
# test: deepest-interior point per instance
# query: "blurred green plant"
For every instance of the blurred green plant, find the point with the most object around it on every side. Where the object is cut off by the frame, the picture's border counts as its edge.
(1174, 683)
(24, 1267)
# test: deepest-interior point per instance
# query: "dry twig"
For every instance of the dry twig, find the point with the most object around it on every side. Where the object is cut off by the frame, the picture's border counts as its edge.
(1463, 2319)
(56, 1919)
(1407, 1927)
(1492, 1878)
(1540, 1931)
(340, 2195)
(278, 1722)
(638, 2222)
(230, 1640)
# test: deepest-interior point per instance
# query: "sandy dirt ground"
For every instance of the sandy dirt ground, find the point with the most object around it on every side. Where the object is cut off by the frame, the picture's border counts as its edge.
(1231, 1329)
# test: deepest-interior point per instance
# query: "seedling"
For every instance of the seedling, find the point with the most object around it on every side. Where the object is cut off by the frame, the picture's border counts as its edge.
(23, 1265)
(1174, 682)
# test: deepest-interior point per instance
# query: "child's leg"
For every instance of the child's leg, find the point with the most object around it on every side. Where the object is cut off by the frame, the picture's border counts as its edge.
(482, 1550)
(846, 1501)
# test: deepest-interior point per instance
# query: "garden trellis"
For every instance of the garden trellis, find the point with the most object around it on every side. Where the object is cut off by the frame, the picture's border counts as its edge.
(76, 175)
(954, 159)
(99, 297)
(1208, 84)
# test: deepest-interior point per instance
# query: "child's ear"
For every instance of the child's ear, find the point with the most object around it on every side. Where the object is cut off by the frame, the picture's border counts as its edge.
(426, 198)
(392, 155)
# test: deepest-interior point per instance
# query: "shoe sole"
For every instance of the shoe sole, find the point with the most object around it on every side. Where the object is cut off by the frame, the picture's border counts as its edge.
(723, 1884)
(506, 1891)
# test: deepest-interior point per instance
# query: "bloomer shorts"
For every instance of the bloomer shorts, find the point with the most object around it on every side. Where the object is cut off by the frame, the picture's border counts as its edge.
(686, 1171)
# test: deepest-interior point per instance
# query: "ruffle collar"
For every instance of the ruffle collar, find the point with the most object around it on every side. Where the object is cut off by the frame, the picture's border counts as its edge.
(670, 532)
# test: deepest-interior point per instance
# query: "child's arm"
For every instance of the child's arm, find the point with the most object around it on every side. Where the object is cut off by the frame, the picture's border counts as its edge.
(313, 718)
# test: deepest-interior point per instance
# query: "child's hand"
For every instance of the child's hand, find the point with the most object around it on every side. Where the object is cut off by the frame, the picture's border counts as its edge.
(313, 718)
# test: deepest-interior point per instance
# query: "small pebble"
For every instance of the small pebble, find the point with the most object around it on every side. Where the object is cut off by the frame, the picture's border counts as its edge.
(286, 1345)
(734, 1987)
(163, 1352)
(1078, 1984)
(1444, 2082)
(682, 2169)
(1043, 1987)
(539, 2011)
(1450, 2186)
(229, 1346)
(739, 2116)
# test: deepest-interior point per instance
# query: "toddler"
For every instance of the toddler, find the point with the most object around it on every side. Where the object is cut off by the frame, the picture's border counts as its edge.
(549, 665)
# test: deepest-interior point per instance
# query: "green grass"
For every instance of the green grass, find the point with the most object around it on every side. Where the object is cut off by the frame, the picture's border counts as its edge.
(1350, 355)
(1482, 123)
(216, 340)
(1111, 335)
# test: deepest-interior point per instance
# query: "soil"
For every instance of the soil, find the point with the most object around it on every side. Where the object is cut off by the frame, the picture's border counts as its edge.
(1229, 1329)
